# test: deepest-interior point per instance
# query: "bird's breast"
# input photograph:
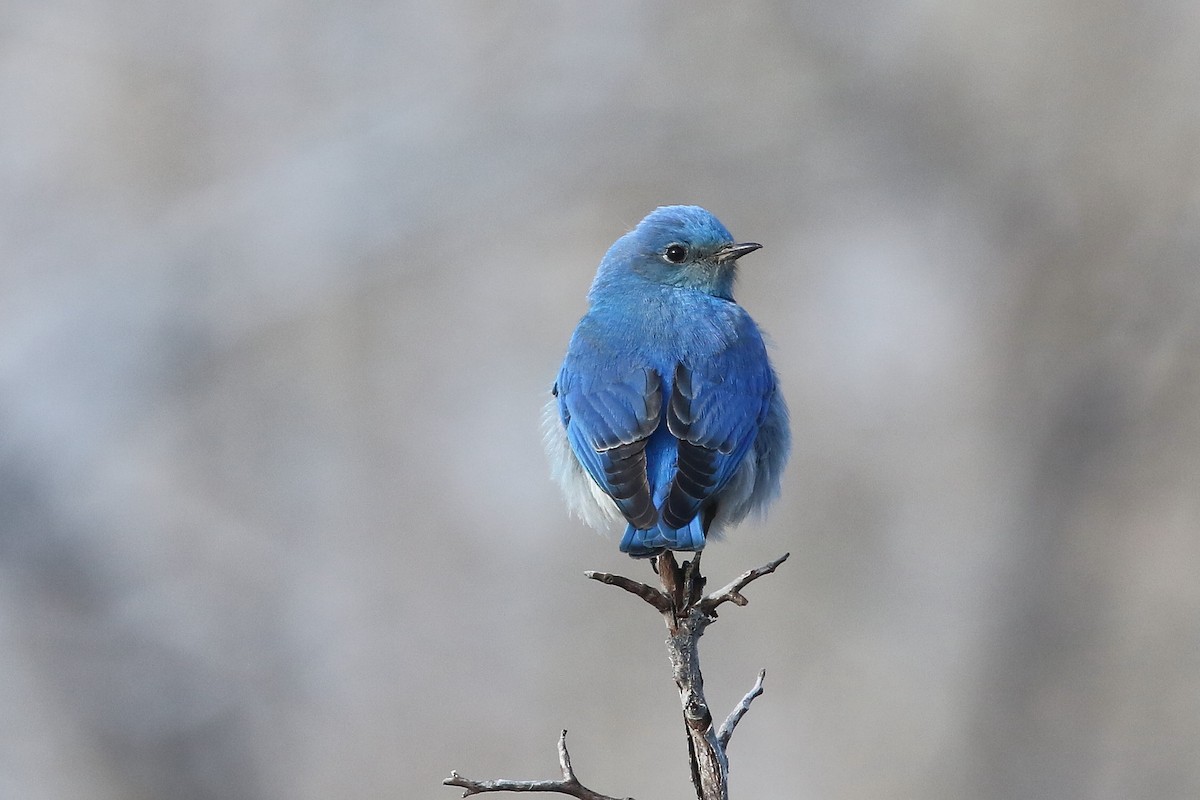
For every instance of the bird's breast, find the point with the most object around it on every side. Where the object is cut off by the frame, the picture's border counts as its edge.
(678, 325)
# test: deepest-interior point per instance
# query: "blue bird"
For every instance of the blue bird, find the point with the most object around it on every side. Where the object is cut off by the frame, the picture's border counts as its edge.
(666, 413)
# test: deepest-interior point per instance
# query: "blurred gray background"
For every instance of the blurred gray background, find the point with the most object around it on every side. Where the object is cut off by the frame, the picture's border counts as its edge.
(283, 287)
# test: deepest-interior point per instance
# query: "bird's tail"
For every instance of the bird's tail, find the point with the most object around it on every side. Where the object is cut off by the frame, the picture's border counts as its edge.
(644, 544)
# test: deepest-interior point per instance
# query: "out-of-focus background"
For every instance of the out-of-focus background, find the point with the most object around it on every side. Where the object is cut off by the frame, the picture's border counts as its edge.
(285, 285)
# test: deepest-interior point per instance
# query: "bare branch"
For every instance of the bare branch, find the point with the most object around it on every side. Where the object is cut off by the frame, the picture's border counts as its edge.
(691, 614)
(736, 715)
(687, 611)
(569, 784)
(648, 593)
(733, 592)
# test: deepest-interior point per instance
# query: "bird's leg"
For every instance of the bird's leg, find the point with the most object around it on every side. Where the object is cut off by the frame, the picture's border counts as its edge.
(672, 583)
(693, 581)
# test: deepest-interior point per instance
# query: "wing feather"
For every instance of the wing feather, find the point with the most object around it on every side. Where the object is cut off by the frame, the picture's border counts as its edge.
(608, 421)
(715, 414)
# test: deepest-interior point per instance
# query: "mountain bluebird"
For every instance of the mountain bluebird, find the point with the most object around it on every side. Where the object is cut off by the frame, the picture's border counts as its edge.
(666, 412)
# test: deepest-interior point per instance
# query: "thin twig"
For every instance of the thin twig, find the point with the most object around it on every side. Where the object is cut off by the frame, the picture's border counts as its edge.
(564, 758)
(569, 784)
(736, 715)
(648, 593)
(687, 612)
(733, 592)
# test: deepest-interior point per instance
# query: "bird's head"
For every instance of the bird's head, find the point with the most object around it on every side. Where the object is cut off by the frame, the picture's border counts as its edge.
(682, 246)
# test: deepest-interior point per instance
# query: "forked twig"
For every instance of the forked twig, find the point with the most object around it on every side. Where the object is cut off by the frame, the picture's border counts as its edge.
(687, 612)
(569, 784)
(733, 592)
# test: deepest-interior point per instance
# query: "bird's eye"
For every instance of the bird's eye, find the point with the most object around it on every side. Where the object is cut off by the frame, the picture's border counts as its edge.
(675, 253)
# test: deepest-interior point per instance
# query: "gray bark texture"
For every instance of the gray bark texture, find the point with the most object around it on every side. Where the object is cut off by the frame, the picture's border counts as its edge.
(687, 612)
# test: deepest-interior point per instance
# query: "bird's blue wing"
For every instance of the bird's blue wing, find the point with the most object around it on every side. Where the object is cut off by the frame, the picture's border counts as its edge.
(715, 411)
(609, 413)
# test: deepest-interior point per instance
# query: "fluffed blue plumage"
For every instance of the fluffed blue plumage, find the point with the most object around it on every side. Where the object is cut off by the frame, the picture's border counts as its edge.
(666, 412)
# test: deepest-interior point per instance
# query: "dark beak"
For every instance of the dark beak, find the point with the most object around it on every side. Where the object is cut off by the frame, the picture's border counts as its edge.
(733, 252)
